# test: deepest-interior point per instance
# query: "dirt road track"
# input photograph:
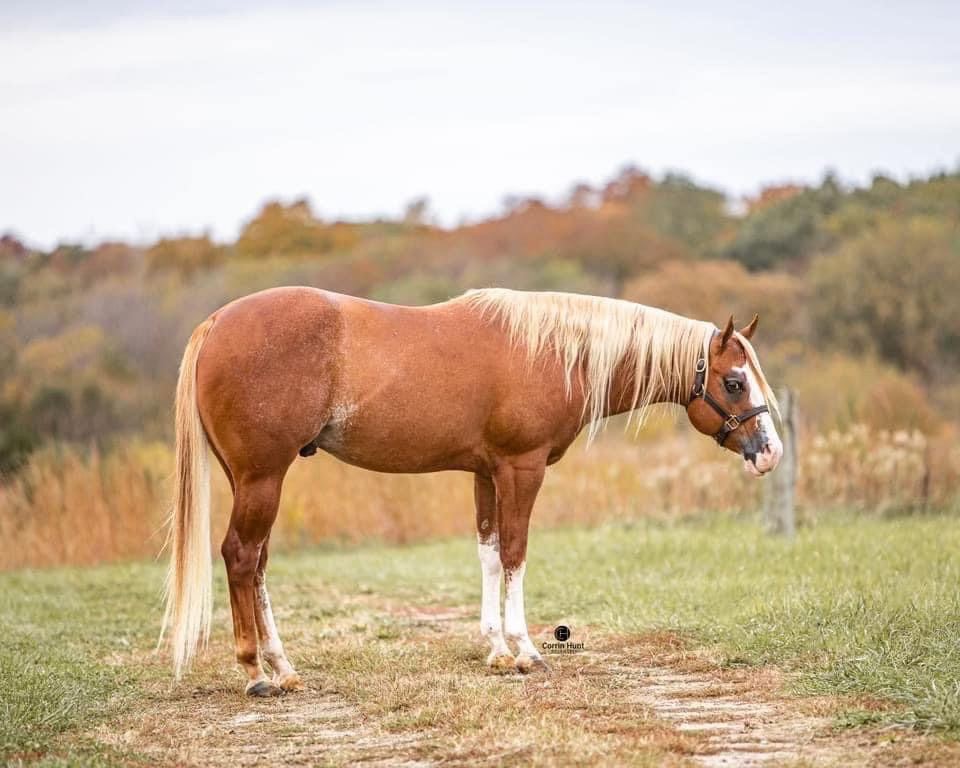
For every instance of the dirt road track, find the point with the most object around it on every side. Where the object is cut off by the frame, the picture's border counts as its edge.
(719, 717)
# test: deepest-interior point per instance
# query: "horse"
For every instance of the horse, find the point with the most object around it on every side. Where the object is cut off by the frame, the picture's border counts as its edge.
(495, 382)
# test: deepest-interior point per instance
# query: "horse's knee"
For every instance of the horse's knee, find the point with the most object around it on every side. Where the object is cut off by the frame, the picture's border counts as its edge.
(489, 553)
(513, 549)
(512, 557)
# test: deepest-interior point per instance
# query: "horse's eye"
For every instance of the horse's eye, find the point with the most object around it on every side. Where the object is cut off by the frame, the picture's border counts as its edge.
(733, 386)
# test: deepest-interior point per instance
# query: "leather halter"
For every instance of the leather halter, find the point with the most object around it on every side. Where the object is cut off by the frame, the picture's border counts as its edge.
(731, 421)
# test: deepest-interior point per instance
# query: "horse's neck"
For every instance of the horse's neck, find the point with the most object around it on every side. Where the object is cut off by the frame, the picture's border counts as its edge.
(622, 392)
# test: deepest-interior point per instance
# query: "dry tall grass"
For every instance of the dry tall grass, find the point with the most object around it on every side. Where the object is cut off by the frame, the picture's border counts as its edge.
(879, 470)
(71, 508)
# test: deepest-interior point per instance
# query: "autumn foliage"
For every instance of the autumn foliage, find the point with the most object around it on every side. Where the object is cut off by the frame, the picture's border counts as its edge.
(856, 288)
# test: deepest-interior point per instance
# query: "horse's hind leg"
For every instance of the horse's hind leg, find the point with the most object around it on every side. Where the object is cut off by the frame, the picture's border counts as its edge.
(255, 503)
(270, 645)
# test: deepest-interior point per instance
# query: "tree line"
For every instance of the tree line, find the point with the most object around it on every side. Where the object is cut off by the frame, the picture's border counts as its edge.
(856, 286)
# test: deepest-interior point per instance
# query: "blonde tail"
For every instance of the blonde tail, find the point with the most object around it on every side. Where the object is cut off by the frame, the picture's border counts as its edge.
(188, 589)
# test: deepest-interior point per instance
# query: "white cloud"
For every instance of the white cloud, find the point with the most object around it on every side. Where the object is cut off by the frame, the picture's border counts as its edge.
(144, 126)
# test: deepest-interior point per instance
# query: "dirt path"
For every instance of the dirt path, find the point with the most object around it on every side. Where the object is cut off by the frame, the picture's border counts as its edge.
(743, 717)
(621, 696)
(220, 728)
(735, 725)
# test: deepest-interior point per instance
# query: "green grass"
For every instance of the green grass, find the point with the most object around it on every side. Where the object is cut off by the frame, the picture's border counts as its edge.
(60, 631)
(856, 606)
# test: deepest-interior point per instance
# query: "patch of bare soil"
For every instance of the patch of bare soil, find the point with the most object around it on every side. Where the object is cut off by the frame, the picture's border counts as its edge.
(689, 708)
(735, 726)
(218, 727)
(742, 717)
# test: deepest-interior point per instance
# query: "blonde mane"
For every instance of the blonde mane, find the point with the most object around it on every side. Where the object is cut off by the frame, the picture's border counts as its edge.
(593, 336)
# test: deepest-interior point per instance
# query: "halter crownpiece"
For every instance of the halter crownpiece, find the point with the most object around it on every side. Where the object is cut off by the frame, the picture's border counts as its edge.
(731, 421)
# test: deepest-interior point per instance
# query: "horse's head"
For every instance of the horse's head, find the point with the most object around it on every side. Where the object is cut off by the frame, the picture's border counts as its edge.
(731, 398)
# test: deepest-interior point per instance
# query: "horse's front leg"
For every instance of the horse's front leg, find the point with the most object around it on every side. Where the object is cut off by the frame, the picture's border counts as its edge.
(528, 657)
(517, 485)
(488, 548)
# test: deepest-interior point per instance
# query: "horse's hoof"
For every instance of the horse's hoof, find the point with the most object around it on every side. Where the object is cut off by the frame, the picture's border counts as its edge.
(502, 664)
(527, 664)
(291, 682)
(263, 689)
(539, 665)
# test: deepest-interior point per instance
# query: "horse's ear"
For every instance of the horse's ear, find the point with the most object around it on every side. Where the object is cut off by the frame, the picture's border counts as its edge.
(748, 330)
(727, 333)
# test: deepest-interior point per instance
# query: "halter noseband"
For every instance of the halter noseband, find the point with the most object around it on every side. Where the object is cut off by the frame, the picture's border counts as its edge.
(731, 421)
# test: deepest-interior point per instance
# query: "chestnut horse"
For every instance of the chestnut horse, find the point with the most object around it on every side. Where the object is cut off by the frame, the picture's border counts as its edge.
(494, 382)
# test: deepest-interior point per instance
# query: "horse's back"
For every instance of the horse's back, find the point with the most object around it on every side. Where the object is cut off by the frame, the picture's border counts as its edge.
(288, 367)
(386, 387)
(441, 387)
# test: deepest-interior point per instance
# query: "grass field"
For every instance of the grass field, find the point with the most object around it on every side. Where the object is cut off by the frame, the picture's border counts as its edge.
(865, 611)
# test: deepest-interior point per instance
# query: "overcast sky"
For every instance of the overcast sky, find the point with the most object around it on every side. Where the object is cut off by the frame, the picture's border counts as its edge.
(145, 118)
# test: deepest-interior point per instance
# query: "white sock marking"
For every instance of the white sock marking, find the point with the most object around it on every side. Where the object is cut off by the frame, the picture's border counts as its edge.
(271, 646)
(516, 620)
(491, 571)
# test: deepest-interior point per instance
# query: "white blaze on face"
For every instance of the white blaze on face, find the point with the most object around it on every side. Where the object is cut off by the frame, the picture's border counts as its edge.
(767, 459)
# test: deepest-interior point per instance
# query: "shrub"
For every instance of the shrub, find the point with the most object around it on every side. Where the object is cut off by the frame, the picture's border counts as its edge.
(893, 291)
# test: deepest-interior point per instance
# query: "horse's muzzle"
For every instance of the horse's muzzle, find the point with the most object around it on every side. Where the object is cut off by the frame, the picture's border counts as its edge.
(760, 463)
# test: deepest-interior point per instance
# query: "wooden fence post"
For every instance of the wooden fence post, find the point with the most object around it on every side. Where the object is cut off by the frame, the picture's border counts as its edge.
(778, 494)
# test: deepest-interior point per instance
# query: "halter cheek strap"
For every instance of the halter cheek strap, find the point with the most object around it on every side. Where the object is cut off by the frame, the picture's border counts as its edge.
(731, 421)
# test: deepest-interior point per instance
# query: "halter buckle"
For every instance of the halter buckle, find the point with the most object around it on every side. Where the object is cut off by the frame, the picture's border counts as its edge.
(699, 390)
(731, 423)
